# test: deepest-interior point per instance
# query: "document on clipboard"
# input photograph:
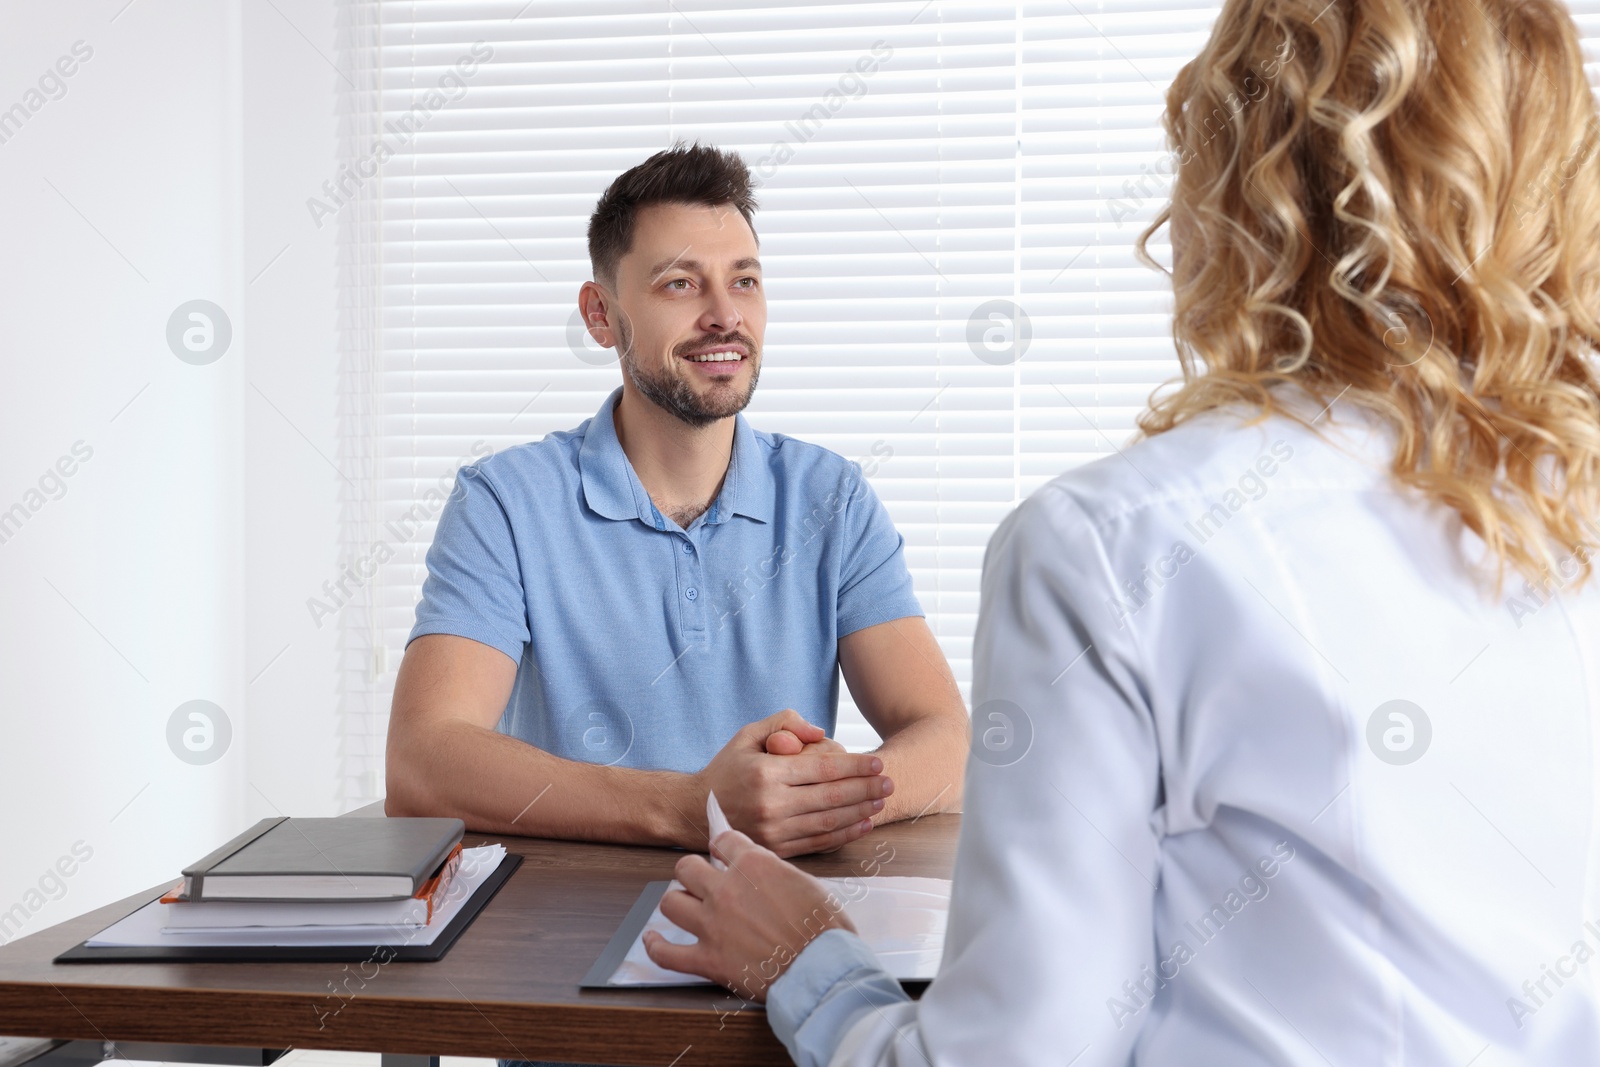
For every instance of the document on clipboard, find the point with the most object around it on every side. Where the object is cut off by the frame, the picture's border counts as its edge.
(900, 917)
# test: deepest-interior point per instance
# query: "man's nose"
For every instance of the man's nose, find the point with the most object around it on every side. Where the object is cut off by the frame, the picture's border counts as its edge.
(721, 316)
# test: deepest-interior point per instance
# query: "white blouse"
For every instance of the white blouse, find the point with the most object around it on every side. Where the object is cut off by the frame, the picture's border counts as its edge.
(1261, 774)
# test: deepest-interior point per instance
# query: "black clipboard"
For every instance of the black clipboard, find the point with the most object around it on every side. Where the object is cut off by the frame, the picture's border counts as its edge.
(599, 976)
(83, 952)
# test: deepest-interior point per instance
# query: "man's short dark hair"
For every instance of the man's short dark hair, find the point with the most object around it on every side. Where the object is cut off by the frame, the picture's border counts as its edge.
(698, 174)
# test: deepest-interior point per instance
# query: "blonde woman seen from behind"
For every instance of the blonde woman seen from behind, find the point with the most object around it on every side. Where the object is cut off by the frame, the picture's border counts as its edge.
(1307, 681)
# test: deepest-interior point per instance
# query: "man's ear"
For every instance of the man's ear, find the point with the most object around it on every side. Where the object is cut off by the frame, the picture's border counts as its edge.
(594, 307)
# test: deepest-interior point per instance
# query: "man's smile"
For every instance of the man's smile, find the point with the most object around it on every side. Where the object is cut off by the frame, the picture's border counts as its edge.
(720, 361)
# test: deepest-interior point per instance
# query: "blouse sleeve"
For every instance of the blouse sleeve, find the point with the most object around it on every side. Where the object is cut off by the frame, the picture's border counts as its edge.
(1051, 909)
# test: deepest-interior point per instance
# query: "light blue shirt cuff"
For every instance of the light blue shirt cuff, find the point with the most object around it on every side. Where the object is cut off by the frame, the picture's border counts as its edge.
(833, 981)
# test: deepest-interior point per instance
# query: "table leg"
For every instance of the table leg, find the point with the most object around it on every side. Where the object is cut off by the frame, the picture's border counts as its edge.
(395, 1059)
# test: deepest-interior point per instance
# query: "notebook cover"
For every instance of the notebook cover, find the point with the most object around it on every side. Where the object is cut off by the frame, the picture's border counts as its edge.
(84, 953)
(195, 871)
(410, 848)
(430, 891)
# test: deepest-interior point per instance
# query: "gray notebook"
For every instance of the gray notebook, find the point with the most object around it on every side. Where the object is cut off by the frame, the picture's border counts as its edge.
(324, 859)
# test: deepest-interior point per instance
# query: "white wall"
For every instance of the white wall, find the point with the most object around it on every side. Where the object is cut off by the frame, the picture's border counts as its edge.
(172, 167)
(290, 398)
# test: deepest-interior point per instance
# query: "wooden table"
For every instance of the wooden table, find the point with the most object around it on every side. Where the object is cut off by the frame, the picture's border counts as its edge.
(507, 988)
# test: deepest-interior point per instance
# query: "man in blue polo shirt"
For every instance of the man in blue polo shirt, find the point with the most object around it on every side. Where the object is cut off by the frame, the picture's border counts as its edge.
(624, 616)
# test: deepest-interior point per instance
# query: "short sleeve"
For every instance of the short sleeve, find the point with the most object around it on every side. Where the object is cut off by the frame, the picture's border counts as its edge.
(474, 585)
(874, 584)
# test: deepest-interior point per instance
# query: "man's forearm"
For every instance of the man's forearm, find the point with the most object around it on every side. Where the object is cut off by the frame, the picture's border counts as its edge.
(498, 784)
(926, 762)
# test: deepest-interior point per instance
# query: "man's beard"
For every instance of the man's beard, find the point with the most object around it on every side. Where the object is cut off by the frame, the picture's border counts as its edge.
(674, 395)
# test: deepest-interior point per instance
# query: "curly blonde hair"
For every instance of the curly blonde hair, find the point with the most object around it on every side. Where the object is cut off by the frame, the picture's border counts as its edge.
(1396, 204)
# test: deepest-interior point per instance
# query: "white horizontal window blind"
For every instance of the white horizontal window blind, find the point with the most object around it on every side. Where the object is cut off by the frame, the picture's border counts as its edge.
(949, 196)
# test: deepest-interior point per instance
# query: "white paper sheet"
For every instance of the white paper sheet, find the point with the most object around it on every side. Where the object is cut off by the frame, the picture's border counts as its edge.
(901, 917)
(145, 926)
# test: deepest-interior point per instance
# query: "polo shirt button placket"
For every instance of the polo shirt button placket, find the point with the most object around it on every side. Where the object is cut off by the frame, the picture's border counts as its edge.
(690, 586)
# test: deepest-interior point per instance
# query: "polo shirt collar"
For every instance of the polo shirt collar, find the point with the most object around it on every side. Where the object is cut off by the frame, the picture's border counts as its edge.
(749, 489)
(612, 488)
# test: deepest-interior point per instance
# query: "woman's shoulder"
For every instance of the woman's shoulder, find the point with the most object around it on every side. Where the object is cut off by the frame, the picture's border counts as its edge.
(1230, 451)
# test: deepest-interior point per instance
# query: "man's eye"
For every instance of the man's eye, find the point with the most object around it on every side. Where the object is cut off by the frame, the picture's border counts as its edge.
(675, 281)
(753, 282)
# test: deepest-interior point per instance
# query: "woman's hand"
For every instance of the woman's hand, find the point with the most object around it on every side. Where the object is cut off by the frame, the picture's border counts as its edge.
(752, 919)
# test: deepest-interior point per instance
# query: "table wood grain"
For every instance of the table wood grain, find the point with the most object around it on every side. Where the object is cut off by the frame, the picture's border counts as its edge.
(507, 988)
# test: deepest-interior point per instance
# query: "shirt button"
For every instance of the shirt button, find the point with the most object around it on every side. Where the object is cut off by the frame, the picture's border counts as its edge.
(687, 547)
(690, 593)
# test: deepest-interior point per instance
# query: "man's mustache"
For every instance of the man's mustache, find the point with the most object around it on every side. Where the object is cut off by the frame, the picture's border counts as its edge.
(748, 344)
